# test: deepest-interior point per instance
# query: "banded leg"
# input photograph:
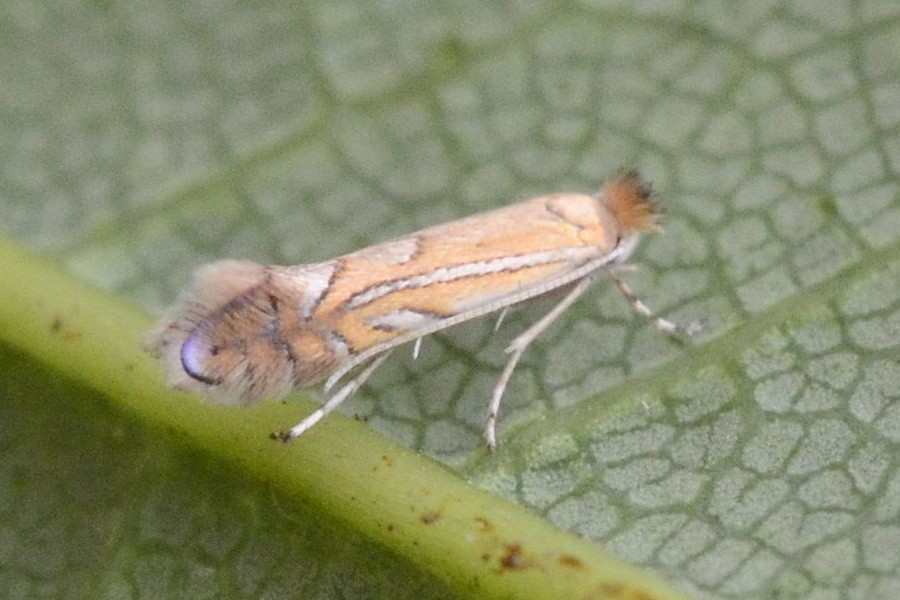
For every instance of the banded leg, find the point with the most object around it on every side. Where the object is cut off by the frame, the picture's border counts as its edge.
(664, 325)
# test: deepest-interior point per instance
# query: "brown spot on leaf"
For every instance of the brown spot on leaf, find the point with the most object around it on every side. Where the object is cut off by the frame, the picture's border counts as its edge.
(432, 516)
(567, 560)
(613, 590)
(484, 524)
(58, 326)
(512, 559)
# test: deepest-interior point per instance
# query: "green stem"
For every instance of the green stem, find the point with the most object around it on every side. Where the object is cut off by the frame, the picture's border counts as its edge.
(482, 545)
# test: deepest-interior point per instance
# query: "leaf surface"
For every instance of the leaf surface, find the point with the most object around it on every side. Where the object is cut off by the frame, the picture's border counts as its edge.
(760, 460)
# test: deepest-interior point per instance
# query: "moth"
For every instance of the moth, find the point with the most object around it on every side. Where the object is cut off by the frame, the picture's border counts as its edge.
(245, 331)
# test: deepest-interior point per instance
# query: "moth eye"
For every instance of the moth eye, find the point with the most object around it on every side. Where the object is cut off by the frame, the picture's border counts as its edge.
(195, 356)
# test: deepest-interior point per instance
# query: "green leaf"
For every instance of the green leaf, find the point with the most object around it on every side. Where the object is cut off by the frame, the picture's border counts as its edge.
(757, 461)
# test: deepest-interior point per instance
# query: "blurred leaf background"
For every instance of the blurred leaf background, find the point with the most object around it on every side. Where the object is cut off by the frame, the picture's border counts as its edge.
(143, 139)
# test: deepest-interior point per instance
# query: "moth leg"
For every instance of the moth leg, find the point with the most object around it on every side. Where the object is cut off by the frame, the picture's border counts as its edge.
(500, 318)
(664, 325)
(333, 402)
(518, 346)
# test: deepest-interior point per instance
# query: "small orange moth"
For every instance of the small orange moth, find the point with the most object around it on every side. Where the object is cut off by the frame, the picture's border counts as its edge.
(247, 331)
